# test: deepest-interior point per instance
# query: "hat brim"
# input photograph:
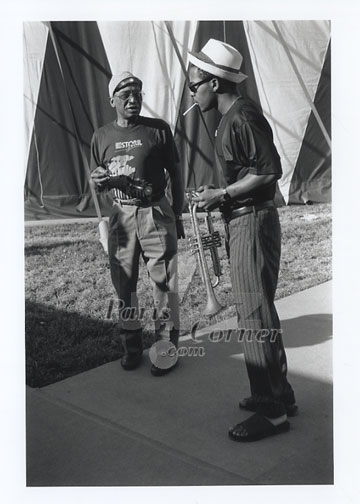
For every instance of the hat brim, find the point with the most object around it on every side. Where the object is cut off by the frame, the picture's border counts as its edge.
(232, 76)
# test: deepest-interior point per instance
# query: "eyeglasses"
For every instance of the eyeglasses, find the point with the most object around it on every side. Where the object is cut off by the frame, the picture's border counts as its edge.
(125, 95)
(195, 86)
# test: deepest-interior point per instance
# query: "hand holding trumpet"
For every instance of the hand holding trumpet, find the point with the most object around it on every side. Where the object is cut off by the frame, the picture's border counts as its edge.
(208, 198)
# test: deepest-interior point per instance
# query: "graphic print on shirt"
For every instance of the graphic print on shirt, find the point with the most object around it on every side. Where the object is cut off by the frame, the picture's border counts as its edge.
(118, 165)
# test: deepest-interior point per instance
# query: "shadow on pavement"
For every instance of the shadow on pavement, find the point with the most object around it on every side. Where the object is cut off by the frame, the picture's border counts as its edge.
(111, 427)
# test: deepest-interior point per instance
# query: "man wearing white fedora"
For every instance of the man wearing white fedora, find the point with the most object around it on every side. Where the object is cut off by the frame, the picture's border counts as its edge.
(247, 156)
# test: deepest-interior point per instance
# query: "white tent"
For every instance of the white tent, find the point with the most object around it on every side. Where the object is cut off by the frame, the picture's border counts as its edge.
(67, 66)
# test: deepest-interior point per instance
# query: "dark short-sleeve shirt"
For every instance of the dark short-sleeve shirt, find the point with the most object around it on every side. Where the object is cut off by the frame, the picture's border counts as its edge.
(244, 144)
(143, 151)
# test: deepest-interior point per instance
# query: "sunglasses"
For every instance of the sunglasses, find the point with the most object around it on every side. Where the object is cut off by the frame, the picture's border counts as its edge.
(195, 86)
(125, 95)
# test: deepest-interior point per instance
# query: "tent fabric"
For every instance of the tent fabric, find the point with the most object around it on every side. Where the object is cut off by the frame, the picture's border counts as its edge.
(66, 115)
(66, 98)
(35, 36)
(284, 102)
(311, 179)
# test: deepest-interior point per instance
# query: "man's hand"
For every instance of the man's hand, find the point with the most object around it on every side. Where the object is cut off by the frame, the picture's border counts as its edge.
(208, 197)
(179, 227)
(100, 176)
(135, 188)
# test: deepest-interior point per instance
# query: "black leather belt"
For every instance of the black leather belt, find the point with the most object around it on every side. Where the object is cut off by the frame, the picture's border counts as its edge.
(238, 212)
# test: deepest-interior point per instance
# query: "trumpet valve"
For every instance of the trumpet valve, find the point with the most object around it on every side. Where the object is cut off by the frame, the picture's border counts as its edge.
(212, 240)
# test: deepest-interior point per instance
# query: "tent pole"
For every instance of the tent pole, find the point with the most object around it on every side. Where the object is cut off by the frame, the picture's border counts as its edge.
(302, 84)
(182, 64)
(102, 223)
(173, 40)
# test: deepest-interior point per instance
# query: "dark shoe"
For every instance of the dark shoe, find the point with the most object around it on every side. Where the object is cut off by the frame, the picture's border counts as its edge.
(250, 404)
(130, 361)
(155, 371)
(256, 427)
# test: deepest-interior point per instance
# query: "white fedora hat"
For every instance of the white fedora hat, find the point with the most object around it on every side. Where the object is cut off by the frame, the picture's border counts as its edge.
(219, 59)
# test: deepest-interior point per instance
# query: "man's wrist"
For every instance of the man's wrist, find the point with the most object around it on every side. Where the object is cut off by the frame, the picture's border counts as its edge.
(225, 196)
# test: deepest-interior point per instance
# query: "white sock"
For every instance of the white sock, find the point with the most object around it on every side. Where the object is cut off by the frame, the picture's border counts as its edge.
(278, 420)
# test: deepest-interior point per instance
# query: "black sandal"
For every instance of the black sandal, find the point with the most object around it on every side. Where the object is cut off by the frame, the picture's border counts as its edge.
(250, 404)
(256, 427)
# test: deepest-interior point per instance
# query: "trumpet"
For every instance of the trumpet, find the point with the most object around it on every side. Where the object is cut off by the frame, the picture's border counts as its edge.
(199, 244)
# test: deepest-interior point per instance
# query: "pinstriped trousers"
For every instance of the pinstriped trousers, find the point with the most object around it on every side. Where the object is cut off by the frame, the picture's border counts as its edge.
(254, 246)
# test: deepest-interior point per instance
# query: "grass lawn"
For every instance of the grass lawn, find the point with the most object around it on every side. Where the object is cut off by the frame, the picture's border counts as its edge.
(68, 325)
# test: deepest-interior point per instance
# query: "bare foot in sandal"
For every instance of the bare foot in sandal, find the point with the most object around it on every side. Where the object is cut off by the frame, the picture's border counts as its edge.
(258, 427)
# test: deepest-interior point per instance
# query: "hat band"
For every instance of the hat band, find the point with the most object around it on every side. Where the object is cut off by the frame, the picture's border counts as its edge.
(126, 82)
(206, 59)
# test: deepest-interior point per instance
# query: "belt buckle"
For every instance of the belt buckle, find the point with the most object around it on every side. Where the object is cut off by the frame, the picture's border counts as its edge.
(130, 202)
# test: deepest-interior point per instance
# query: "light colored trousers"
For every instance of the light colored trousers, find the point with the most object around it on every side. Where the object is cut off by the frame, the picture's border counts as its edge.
(150, 232)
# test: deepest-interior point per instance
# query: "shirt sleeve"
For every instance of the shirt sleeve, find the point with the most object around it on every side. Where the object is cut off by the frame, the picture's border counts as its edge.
(171, 156)
(94, 153)
(255, 142)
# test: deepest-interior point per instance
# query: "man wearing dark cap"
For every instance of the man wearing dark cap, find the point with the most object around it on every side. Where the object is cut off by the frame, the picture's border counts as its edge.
(129, 157)
(245, 152)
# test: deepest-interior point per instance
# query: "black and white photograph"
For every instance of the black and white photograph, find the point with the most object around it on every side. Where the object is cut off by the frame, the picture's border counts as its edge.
(177, 327)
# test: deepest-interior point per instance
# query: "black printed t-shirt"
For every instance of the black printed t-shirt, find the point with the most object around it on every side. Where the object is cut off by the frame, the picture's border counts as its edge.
(244, 144)
(143, 150)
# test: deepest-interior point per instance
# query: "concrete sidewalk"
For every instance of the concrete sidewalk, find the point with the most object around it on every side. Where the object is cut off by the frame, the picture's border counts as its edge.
(116, 428)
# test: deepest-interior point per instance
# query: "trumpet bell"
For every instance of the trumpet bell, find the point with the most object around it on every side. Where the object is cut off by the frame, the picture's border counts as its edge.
(213, 307)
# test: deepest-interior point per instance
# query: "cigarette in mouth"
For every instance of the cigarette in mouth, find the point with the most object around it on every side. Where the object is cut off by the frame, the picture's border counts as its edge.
(188, 110)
